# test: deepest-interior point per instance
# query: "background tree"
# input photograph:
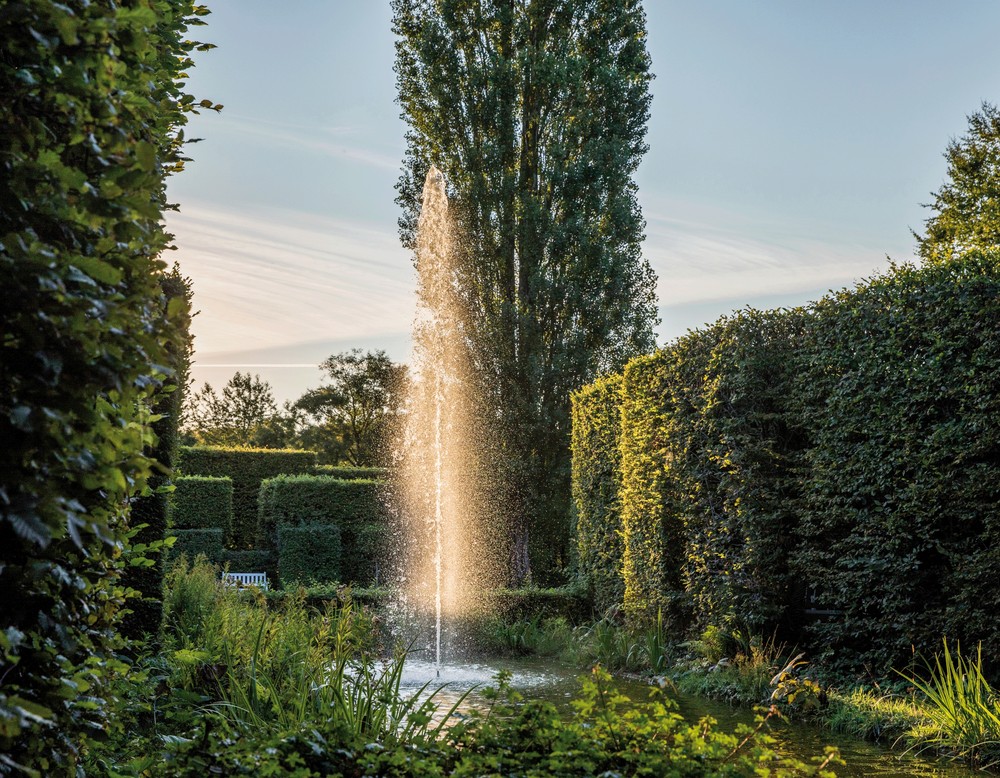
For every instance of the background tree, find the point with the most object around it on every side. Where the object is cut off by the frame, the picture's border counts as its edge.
(967, 206)
(238, 416)
(354, 413)
(535, 111)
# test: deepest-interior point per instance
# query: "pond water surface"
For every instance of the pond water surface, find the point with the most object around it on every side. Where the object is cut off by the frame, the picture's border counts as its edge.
(559, 684)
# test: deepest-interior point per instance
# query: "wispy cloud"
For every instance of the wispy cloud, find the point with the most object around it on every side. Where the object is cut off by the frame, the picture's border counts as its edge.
(701, 257)
(267, 279)
(339, 141)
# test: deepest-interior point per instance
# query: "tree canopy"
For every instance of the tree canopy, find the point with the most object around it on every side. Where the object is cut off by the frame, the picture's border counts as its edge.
(967, 206)
(535, 112)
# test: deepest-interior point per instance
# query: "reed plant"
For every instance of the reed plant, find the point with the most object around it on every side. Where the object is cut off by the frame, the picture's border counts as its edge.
(963, 708)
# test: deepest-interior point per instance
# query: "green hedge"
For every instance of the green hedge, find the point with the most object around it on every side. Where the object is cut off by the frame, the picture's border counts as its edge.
(356, 507)
(247, 467)
(517, 604)
(192, 542)
(350, 473)
(899, 391)
(92, 105)
(653, 541)
(317, 499)
(831, 472)
(308, 554)
(596, 481)
(202, 502)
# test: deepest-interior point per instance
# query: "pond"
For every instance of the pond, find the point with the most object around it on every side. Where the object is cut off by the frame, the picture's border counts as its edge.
(558, 684)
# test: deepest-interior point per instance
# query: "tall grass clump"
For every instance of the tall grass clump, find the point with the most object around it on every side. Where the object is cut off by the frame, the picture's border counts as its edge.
(964, 710)
(275, 668)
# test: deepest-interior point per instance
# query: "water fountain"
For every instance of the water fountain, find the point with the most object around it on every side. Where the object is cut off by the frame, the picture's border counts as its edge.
(438, 459)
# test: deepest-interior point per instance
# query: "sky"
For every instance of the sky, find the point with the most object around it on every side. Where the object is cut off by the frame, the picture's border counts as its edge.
(791, 146)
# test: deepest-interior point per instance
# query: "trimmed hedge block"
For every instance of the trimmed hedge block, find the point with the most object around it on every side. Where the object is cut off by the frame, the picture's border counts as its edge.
(192, 542)
(247, 467)
(316, 499)
(308, 554)
(348, 473)
(202, 502)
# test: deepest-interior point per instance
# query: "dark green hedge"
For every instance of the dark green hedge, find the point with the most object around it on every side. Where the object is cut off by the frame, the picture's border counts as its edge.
(308, 554)
(517, 604)
(899, 391)
(317, 499)
(350, 473)
(596, 480)
(202, 502)
(91, 112)
(830, 472)
(251, 561)
(247, 467)
(357, 507)
(191, 542)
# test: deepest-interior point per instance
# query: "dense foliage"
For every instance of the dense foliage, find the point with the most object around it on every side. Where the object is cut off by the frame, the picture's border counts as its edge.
(967, 206)
(241, 415)
(189, 543)
(308, 554)
(535, 113)
(149, 513)
(202, 501)
(355, 507)
(596, 464)
(256, 686)
(830, 472)
(247, 467)
(91, 125)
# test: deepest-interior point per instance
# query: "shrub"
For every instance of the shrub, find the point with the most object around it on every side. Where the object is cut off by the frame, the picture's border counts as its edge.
(247, 467)
(250, 561)
(202, 502)
(308, 553)
(91, 111)
(311, 499)
(596, 480)
(192, 542)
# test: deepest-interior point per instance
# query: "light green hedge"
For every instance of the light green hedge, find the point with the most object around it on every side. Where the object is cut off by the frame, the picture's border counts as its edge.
(318, 499)
(596, 480)
(247, 467)
(308, 554)
(202, 502)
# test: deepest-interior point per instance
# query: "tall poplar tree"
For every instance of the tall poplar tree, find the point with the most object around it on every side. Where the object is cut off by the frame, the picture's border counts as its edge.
(535, 111)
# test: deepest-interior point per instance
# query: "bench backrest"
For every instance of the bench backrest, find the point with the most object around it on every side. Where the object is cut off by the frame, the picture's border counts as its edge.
(246, 579)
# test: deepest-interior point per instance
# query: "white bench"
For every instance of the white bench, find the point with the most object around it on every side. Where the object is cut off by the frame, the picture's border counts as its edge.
(245, 579)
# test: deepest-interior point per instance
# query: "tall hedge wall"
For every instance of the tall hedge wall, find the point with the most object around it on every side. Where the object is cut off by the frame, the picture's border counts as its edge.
(832, 472)
(899, 391)
(653, 540)
(357, 507)
(596, 480)
(202, 502)
(91, 108)
(247, 467)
